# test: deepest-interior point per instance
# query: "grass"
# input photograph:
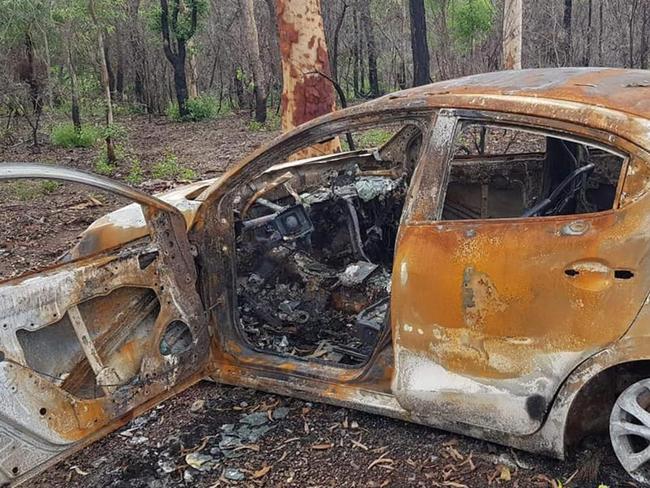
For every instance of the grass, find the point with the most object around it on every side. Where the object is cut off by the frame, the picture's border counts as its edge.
(369, 139)
(105, 167)
(273, 122)
(136, 173)
(25, 191)
(68, 136)
(170, 169)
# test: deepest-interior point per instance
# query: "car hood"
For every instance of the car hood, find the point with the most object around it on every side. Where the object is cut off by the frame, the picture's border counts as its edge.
(128, 223)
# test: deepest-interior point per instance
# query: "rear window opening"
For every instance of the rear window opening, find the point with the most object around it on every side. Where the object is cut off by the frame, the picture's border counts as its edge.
(502, 172)
(315, 251)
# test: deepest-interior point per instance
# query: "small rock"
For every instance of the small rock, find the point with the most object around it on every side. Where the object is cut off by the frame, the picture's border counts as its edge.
(137, 440)
(505, 460)
(233, 474)
(166, 466)
(200, 462)
(255, 419)
(197, 406)
(280, 413)
(229, 442)
(98, 462)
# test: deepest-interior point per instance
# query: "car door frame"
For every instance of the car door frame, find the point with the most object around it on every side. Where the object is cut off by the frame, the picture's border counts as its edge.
(427, 200)
(235, 360)
(45, 432)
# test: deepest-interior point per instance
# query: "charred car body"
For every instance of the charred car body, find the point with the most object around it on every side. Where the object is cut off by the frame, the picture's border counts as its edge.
(483, 270)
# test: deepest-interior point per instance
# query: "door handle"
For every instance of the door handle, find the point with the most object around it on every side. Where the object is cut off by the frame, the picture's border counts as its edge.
(595, 275)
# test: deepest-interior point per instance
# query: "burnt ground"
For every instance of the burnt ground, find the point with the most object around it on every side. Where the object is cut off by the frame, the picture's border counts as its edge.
(236, 436)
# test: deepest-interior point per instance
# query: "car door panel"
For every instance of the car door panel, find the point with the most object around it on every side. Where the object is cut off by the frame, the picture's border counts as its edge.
(85, 343)
(491, 316)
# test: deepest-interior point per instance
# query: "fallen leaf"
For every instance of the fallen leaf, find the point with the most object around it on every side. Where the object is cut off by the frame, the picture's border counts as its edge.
(505, 474)
(381, 460)
(250, 447)
(79, 471)
(359, 445)
(260, 473)
(321, 447)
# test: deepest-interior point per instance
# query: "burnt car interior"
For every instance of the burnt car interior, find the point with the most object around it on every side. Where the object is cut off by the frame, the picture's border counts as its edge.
(315, 249)
(501, 172)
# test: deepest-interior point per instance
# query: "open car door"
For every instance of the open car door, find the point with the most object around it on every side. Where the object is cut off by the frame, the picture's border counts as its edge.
(86, 345)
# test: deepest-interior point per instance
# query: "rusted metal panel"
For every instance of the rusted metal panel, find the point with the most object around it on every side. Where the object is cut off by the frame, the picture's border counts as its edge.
(484, 308)
(65, 377)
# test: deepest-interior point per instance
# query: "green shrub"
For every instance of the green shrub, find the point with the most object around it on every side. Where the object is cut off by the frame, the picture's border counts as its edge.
(103, 167)
(67, 136)
(200, 108)
(136, 173)
(470, 21)
(114, 131)
(255, 126)
(273, 122)
(170, 169)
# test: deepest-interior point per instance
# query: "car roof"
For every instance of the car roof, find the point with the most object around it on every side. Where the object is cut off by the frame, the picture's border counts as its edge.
(622, 90)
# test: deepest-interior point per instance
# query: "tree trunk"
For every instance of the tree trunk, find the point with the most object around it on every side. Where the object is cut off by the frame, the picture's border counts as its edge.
(645, 36)
(600, 33)
(31, 77)
(567, 22)
(177, 58)
(356, 86)
(110, 147)
(335, 47)
(119, 74)
(632, 18)
(48, 61)
(74, 87)
(180, 81)
(512, 29)
(109, 68)
(419, 44)
(252, 39)
(306, 94)
(193, 71)
(369, 31)
(587, 57)
(104, 69)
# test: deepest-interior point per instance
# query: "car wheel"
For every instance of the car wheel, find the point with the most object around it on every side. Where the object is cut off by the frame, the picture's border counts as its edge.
(629, 430)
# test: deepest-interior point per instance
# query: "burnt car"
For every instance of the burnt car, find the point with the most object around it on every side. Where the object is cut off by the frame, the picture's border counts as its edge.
(482, 266)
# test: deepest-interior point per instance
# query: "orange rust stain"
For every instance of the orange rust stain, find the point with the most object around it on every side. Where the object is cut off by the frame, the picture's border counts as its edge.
(487, 303)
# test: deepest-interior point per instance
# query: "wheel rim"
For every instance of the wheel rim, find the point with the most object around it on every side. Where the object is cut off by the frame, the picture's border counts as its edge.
(629, 430)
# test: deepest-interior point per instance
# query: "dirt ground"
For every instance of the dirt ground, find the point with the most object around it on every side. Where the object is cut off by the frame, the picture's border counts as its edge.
(41, 222)
(235, 436)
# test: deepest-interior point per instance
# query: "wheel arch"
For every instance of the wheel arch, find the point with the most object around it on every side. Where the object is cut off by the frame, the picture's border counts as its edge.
(590, 409)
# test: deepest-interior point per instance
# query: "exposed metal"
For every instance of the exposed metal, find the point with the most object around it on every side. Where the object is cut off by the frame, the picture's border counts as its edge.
(629, 429)
(505, 329)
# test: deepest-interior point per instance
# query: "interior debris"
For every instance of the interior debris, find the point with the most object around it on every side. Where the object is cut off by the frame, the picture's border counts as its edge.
(314, 268)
